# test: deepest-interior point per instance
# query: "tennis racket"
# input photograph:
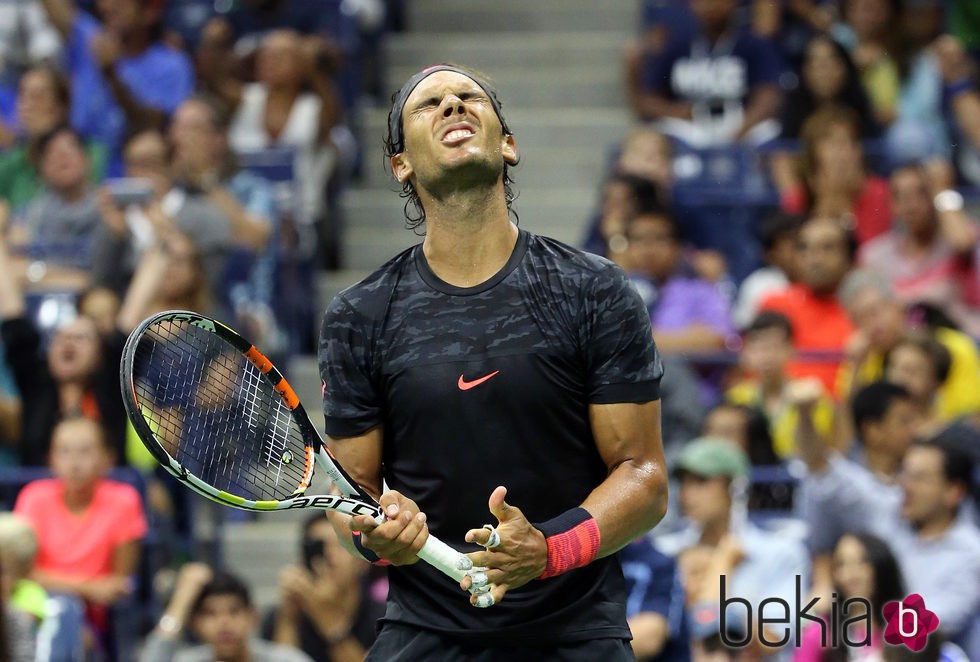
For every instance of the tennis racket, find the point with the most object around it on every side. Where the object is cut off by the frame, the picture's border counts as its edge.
(217, 414)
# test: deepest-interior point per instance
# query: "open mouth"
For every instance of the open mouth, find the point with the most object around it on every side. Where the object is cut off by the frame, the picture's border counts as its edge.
(458, 135)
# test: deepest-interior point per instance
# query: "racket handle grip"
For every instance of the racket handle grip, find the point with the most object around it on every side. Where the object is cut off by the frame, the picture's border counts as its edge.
(444, 558)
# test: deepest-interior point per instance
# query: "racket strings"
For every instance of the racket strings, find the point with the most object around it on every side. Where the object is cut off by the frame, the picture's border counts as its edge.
(216, 414)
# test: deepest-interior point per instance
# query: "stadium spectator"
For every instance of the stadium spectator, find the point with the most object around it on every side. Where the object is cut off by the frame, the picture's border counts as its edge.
(688, 314)
(199, 140)
(646, 153)
(820, 324)
(871, 31)
(277, 110)
(43, 102)
(929, 254)
(77, 374)
(883, 420)
(962, 101)
(921, 364)
(218, 609)
(753, 563)
(881, 321)
(833, 180)
(329, 605)
(621, 198)
(88, 528)
(779, 234)
(827, 76)
(745, 426)
(717, 86)
(169, 206)
(26, 39)
(767, 349)
(18, 553)
(864, 568)
(123, 77)
(937, 545)
(57, 229)
(655, 607)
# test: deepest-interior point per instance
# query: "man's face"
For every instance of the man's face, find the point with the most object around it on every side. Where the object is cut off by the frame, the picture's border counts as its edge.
(911, 202)
(652, 249)
(882, 320)
(766, 352)
(824, 257)
(928, 496)
(194, 136)
(224, 623)
(74, 351)
(894, 432)
(705, 500)
(145, 156)
(453, 138)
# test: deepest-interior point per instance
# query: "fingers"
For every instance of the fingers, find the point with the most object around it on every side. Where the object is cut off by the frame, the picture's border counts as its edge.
(487, 536)
(489, 598)
(498, 507)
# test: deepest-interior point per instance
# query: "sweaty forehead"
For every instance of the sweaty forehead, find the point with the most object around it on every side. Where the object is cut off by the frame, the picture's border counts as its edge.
(441, 83)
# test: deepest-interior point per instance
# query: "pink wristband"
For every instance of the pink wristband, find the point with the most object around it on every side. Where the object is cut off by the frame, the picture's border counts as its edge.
(573, 541)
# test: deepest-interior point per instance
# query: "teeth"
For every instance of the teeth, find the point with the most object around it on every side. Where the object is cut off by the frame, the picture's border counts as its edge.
(457, 134)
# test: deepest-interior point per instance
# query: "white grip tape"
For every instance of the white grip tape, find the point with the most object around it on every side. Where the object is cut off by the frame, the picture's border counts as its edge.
(444, 558)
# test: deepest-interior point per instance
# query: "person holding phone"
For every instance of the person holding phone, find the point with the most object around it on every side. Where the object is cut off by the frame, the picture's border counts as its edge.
(330, 602)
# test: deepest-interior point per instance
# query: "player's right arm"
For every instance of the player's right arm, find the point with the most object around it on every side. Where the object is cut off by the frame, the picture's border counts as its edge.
(399, 538)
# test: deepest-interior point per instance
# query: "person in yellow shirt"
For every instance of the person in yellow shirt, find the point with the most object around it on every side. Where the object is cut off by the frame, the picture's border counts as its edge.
(881, 322)
(767, 348)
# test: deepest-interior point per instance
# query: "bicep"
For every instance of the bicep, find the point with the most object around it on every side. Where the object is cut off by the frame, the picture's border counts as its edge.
(360, 456)
(627, 432)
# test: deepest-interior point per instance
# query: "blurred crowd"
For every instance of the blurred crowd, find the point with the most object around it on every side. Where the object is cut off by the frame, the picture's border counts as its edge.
(796, 205)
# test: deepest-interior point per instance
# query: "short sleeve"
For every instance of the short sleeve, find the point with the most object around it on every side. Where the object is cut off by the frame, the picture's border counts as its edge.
(131, 520)
(658, 70)
(622, 360)
(351, 401)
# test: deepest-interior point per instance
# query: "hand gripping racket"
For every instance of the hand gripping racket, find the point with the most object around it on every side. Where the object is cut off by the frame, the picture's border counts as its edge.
(222, 419)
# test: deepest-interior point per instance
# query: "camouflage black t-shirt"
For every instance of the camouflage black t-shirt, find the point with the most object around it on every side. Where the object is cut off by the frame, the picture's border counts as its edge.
(485, 386)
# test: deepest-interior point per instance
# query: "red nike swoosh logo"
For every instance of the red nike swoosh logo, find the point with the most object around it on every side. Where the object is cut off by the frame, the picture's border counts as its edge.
(466, 386)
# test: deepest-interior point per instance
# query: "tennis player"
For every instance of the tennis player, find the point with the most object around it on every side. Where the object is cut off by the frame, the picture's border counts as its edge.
(492, 375)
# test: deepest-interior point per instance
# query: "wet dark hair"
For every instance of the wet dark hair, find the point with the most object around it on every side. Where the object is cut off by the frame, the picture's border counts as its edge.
(393, 143)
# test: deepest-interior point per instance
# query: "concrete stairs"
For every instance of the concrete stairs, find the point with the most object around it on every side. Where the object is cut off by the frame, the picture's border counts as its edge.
(557, 66)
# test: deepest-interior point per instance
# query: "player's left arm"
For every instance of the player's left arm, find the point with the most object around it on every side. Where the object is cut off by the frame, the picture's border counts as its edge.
(633, 497)
(629, 502)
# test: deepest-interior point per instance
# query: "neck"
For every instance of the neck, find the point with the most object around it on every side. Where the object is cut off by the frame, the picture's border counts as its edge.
(924, 238)
(75, 192)
(136, 42)
(881, 462)
(78, 499)
(469, 236)
(936, 526)
(713, 532)
(772, 385)
(281, 92)
(70, 396)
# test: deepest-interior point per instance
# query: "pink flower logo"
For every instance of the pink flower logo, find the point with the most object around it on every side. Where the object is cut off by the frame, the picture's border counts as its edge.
(909, 622)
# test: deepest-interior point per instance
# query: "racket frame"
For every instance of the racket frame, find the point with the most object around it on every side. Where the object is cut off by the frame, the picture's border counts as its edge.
(354, 500)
